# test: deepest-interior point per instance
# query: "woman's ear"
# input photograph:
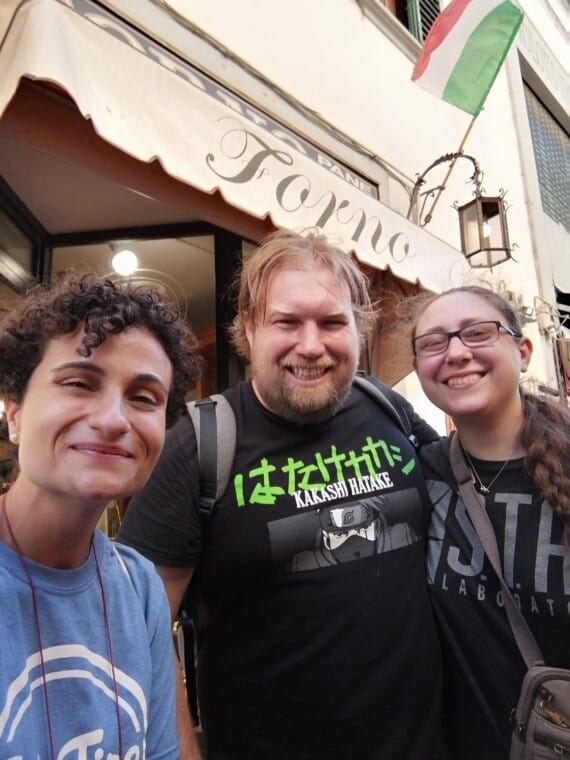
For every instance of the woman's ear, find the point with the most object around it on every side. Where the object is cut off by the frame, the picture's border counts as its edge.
(525, 351)
(12, 409)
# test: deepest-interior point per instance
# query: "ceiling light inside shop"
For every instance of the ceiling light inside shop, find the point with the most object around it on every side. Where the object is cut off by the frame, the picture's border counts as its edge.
(125, 263)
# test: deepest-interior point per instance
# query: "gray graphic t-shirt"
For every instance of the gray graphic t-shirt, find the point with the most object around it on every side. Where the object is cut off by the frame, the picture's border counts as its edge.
(483, 670)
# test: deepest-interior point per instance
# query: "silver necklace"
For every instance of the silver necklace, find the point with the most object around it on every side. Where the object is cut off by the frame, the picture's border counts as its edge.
(484, 489)
(40, 640)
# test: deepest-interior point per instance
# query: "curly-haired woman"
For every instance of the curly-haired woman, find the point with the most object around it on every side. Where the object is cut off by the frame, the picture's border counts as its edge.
(91, 373)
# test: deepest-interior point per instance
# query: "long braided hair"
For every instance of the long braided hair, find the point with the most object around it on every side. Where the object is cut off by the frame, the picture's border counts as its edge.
(545, 436)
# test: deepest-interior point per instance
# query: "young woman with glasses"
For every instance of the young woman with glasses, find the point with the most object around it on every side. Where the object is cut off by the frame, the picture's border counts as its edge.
(469, 353)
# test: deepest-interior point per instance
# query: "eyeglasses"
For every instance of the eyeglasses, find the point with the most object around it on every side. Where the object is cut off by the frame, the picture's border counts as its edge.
(472, 336)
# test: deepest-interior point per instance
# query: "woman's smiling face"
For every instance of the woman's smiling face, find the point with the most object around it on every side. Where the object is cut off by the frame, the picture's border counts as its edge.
(463, 380)
(93, 427)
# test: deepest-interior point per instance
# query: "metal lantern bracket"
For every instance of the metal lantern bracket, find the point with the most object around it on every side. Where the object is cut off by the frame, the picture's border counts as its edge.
(448, 158)
(482, 220)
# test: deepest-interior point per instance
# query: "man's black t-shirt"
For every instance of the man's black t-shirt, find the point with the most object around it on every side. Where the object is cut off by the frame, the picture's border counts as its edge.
(483, 670)
(320, 639)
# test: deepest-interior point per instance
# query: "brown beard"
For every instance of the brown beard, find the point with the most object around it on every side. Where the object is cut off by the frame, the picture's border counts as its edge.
(302, 408)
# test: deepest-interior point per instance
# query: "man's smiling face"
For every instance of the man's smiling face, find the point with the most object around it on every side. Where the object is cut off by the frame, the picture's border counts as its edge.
(305, 351)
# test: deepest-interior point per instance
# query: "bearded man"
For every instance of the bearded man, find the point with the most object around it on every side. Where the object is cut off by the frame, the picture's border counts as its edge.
(320, 641)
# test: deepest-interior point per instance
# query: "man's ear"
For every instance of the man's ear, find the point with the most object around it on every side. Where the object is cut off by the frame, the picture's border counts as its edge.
(248, 327)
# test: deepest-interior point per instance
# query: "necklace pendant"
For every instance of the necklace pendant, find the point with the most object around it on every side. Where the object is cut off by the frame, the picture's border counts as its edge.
(484, 490)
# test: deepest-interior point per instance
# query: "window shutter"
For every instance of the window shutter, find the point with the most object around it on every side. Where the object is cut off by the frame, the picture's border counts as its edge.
(421, 15)
(551, 144)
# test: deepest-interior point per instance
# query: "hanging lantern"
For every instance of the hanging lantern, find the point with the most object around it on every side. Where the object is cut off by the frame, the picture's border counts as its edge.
(482, 221)
(484, 231)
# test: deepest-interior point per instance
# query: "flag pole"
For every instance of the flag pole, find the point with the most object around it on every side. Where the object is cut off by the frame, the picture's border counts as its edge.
(429, 215)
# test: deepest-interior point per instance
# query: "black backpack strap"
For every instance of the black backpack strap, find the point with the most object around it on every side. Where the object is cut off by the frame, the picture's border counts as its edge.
(377, 390)
(215, 427)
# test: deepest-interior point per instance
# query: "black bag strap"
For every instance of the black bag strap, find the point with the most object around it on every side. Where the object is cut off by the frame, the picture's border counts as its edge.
(373, 387)
(475, 505)
(215, 427)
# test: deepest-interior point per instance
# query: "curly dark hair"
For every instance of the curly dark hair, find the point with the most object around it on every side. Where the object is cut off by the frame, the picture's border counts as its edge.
(101, 307)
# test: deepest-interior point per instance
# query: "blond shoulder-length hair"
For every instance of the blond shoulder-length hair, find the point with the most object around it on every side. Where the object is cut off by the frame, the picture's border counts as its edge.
(289, 250)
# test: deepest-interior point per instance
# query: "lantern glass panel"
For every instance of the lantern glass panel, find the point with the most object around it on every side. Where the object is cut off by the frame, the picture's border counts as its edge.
(492, 228)
(470, 228)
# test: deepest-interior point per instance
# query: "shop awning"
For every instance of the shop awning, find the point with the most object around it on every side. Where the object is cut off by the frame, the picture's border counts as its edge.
(560, 268)
(154, 106)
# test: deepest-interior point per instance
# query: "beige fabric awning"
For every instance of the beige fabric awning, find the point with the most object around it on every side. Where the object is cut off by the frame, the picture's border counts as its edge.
(152, 105)
(560, 260)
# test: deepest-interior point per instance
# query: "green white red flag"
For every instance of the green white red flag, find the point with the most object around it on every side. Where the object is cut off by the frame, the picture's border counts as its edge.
(465, 49)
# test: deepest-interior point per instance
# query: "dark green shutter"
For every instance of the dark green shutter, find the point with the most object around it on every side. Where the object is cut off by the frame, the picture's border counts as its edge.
(551, 144)
(421, 15)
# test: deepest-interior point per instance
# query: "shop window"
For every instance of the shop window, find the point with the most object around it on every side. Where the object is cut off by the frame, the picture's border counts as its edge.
(16, 252)
(111, 519)
(15, 261)
(551, 145)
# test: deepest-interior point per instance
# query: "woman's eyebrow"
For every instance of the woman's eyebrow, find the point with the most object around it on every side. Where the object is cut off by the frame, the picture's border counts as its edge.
(462, 323)
(148, 377)
(142, 377)
(79, 364)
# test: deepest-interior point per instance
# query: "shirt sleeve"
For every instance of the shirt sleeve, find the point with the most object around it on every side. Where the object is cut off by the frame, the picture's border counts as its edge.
(162, 521)
(434, 459)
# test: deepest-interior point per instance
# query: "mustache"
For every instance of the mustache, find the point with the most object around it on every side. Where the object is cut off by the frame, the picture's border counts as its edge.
(321, 365)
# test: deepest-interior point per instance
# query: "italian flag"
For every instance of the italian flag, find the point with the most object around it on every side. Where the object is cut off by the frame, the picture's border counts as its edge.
(465, 49)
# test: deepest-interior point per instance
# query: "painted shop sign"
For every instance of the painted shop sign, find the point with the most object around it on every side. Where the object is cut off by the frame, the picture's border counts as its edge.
(153, 105)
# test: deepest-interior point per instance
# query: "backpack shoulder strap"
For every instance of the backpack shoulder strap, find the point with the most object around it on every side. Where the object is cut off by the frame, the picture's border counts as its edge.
(377, 390)
(215, 426)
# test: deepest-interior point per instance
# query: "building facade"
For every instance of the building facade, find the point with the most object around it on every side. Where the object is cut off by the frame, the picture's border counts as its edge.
(185, 130)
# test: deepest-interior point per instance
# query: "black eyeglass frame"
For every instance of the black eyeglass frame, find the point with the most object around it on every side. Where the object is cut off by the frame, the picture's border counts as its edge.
(457, 334)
